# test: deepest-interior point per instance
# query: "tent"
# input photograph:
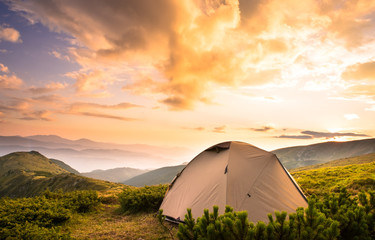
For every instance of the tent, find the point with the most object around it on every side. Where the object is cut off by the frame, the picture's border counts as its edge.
(236, 174)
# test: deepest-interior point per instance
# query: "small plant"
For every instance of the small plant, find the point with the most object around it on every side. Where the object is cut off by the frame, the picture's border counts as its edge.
(41, 217)
(336, 216)
(143, 199)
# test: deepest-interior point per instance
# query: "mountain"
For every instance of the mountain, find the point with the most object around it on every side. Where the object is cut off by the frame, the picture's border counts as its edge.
(154, 177)
(86, 155)
(294, 157)
(26, 174)
(115, 174)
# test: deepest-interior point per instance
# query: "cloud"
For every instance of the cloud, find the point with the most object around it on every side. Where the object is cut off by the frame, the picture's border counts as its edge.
(295, 136)
(3, 68)
(50, 87)
(59, 56)
(84, 106)
(262, 129)
(196, 46)
(327, 135)
(102, 115)
(360, 71)
(361, 90)
(220, 129)
(10, 82)
(10, 35)
(195, 128)
(89, 82)
(38, 115)
(331, 135)
(351, 116)
(91, 110)
(28, 109)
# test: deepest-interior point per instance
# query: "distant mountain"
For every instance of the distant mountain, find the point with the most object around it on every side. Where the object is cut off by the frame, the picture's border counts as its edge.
(154, 177)
(115, 175)
(26, 174)
(294, 157)
(87, 155)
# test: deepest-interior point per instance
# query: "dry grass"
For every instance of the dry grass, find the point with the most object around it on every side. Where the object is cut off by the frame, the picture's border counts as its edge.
(107, 223)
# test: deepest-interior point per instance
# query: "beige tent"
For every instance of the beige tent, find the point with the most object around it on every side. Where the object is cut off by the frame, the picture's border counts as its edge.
(235, 174)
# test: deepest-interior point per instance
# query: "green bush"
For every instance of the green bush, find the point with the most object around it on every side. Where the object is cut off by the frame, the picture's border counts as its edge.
(77, 201)
(142, 199)
(40, 217)
(336, 216)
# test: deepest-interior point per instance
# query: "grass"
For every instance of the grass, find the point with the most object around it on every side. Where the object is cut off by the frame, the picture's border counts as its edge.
(355, 178)
(108, 223)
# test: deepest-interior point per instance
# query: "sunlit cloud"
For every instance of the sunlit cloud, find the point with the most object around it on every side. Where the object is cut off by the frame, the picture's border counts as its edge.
(372, 108)
(327, 135)
(3, 68)
(219, 129)
(60, 56)
(85, 105)
(10, 82)
(10, 35)
(360, 71)
(351, 116)
(262, 129)
(50, 87)
(103, 115)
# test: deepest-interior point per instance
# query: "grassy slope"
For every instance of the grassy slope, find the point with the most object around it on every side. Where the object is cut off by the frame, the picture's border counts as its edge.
(107, 223)
(26, 174)
(64, 166)
(28, 162)
(356, 174)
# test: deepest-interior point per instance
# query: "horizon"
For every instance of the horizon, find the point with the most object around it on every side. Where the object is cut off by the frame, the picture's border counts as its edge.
(188, 73)
(81, 163)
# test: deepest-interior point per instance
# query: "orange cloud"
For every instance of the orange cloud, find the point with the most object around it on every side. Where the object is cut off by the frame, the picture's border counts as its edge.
(90, 82)
(360, 71)
(10, 35)
(220, 129)
(3, 68)
(84, 106)
(196, 46)
(10, 82)
(50, 87)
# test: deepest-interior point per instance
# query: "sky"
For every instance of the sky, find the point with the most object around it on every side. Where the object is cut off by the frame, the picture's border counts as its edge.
(189, 73)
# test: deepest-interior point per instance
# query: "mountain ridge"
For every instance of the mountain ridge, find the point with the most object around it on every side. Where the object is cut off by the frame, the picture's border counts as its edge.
(299, 156)
(86, 155)
(27, 174)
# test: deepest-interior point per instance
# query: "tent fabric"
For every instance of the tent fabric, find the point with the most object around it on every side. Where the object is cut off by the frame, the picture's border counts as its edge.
(236, 174)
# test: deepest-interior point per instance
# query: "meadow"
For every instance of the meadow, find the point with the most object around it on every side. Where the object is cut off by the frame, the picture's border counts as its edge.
(341, 206)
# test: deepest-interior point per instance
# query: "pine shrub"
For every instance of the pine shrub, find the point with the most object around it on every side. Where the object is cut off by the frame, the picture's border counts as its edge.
(336, 216)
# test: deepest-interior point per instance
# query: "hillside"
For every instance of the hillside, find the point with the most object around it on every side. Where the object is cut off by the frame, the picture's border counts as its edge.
(157, 176)
(115, 175)
(300, 156)
(25, 174)
(64, 166)
(356, 174)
